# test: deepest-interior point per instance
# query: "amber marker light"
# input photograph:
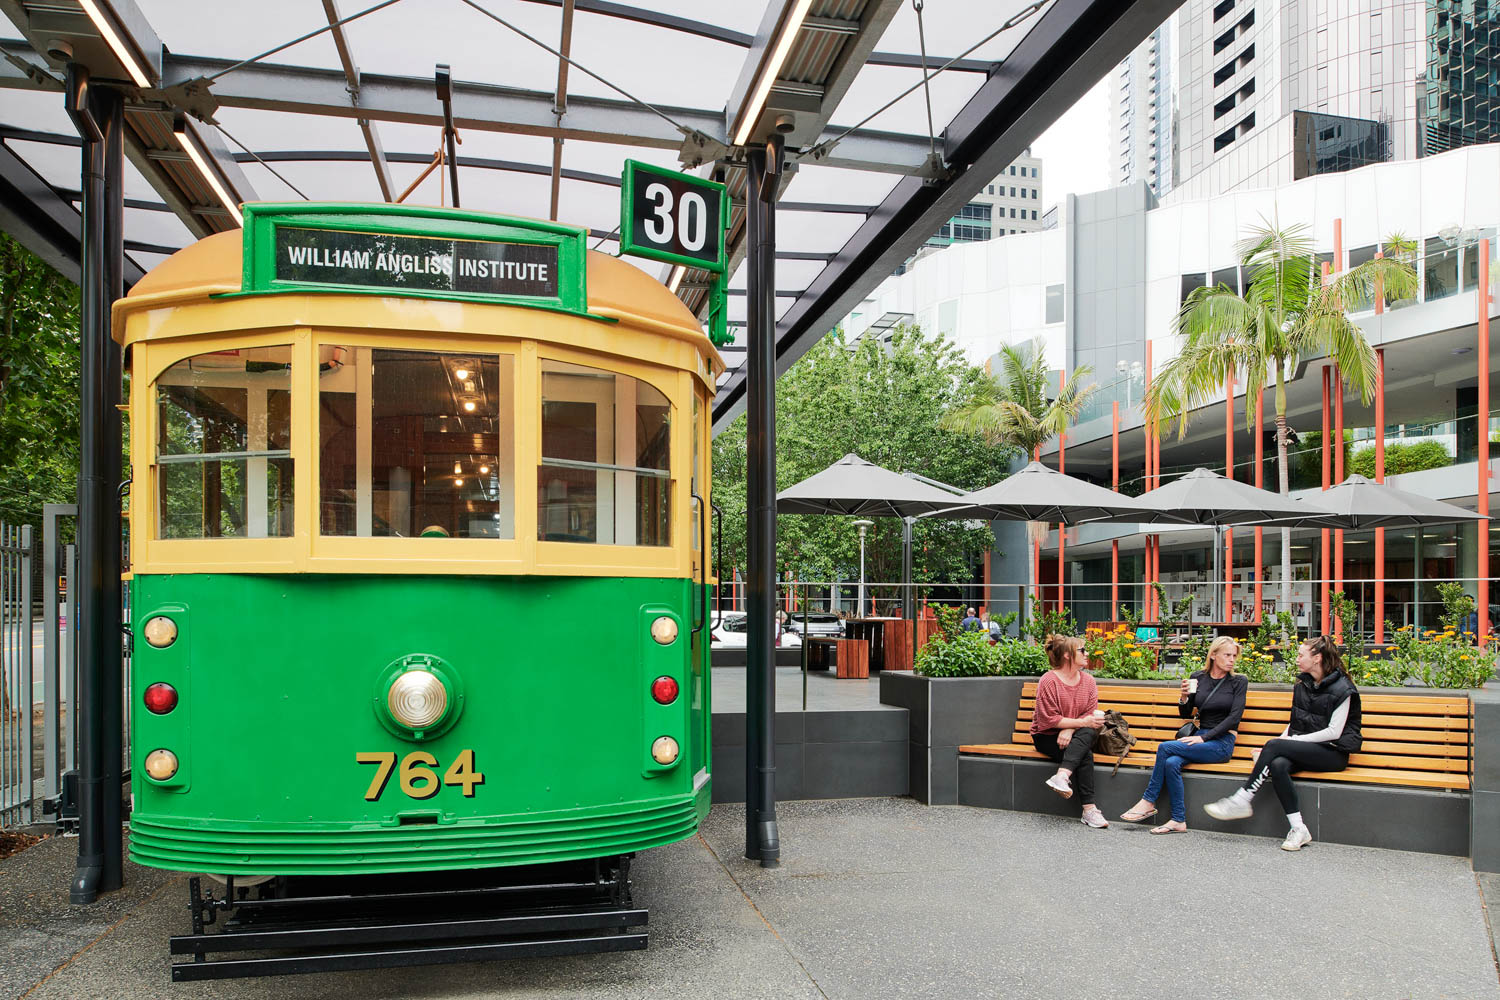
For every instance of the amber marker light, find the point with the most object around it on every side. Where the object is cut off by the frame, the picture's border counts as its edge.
(161, 764)
(664, 630)
(160, 631)
(664, 750)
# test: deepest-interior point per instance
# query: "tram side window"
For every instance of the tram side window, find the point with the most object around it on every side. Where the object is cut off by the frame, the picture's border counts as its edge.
(223, 445)
(415, 443)
(605, 475)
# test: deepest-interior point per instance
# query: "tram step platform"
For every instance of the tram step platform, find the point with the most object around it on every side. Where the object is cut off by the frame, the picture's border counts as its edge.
(302, 925)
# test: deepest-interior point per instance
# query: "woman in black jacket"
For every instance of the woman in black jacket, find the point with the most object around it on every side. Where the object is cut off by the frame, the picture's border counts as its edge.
(1218, 695)
(1322, 733)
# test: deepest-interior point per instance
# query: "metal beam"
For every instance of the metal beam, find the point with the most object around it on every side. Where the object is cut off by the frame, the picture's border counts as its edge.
(719, 33)
(560, 101)
(351, 75)
(43, 221)
(485, 108)
(1062, 55)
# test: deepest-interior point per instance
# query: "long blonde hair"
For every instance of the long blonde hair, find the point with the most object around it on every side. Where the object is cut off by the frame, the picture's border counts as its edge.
(1218, 646)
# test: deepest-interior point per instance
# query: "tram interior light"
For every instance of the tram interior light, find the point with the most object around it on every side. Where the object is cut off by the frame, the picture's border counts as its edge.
(457, 468)
(468, 406)
(484, 470)
(770, 70)
(458, 482)
(461, 374)
(468, 386)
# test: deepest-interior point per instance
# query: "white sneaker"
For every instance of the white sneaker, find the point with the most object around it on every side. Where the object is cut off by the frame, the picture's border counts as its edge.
(1298, 838)
(1229, 808)
(1094, 818)
(1059, 783)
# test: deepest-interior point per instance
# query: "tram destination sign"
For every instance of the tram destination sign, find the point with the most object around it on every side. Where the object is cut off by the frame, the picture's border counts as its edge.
(671, 216)
(417, 263)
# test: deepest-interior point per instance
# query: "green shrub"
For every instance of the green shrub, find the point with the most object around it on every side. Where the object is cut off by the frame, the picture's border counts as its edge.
(952, 653)
(1400, 458)
(1019, 658)
(1044, 623)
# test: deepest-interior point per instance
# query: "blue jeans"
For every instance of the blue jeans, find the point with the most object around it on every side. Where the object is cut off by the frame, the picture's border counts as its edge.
(1171, 755)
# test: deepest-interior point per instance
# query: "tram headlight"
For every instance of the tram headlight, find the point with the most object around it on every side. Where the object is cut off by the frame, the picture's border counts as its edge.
(664, 630)
(417, 699)
(160, 631)
(161, 764)
(664, 750)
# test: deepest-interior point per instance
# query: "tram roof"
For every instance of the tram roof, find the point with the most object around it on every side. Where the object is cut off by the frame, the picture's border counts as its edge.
(353, 113)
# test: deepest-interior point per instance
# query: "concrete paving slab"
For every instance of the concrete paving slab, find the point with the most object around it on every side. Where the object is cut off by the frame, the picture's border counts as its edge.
(887, 898)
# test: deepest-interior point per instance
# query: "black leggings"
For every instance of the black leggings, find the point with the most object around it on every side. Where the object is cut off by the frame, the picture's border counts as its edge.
(1279, 758)
(1077, 756)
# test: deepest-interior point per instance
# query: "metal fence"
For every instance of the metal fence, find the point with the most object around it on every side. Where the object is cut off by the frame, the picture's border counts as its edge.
(19, 723)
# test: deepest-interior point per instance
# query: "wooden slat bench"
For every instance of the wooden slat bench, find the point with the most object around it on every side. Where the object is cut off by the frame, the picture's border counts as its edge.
(1419, 741)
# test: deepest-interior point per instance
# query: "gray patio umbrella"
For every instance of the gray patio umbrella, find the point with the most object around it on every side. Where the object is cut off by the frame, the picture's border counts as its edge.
(1204, 497)
(1037, 493)
(856, 487)
(1362, 503)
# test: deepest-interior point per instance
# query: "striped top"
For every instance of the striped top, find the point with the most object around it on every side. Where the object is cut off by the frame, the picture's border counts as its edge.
(1056, 701)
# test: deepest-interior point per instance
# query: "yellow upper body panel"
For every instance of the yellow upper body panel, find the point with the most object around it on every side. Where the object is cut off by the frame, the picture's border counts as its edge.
(617, 291)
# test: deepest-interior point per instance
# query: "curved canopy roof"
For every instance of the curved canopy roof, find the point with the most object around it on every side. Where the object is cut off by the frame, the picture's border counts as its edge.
(343, 101)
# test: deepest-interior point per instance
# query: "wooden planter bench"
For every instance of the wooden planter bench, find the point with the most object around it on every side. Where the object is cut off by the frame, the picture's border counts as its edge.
(851, 657)
(1417, 741)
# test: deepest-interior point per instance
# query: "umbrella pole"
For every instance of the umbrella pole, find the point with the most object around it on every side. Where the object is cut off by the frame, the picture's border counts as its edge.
(908, 604)
(805, 636)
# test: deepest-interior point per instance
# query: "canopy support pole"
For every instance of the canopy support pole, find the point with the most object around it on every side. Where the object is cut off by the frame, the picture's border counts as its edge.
(762, 839)
(99, 114)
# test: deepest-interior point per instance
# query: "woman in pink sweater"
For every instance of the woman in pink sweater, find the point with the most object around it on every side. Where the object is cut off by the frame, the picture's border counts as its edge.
(1064, 723)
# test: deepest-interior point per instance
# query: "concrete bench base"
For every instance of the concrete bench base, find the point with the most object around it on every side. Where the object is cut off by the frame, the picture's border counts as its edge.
(1405, 819)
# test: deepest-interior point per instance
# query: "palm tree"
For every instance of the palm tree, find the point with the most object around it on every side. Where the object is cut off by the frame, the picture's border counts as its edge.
(1286, 312)
(1014, 408)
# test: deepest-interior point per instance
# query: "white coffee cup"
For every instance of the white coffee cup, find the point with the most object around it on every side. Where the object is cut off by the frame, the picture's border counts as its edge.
(1192, 685)
(1098, 713)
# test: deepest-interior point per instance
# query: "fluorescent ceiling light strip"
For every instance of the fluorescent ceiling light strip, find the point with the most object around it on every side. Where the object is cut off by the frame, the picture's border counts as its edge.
(675, 280)
(190, 146)
(770, 70)
(112, 37)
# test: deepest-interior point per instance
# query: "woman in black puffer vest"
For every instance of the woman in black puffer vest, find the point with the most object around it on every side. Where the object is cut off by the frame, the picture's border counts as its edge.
(1322, 733)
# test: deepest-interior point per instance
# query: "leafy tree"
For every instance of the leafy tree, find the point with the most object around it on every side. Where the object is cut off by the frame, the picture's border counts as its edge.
(885, 404)
(1286, 312)
(39, 371)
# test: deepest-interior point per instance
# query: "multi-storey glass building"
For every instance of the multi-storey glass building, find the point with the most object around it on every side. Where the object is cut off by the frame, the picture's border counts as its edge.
(1011, 203)
(1461, 100)
(1107, 283)
(1141, 100)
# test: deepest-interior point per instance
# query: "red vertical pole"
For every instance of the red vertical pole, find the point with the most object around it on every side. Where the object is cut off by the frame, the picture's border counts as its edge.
(1484, 442)
(1036, 549)
(1148, 597)
(1062, 461)
(1379, 466)
(1260, 450)
(1338, 477)
(1229, 474)
(1323, 575)
(1114, 484)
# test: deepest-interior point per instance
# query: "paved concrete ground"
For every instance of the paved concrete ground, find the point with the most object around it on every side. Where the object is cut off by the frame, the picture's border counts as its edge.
(887, 898)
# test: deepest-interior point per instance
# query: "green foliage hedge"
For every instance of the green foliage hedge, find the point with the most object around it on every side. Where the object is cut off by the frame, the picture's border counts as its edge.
(1400, 458)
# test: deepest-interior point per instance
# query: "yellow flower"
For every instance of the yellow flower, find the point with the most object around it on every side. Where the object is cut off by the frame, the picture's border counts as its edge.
(1464, 656)
(1138, 653)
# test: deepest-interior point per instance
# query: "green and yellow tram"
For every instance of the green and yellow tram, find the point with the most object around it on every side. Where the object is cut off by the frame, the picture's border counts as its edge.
(419, 551)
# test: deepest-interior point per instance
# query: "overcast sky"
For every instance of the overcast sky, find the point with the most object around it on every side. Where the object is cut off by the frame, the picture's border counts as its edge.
(1074, 155)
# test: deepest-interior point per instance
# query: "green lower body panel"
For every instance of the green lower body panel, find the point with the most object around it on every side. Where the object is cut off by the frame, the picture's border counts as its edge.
(288, 754)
